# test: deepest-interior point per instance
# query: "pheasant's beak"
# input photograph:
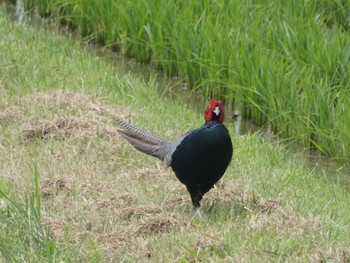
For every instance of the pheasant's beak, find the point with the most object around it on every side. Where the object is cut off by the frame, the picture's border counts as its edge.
(217, 111)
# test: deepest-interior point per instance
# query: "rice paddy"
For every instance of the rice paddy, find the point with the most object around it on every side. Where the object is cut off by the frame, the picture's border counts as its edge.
(282, 63)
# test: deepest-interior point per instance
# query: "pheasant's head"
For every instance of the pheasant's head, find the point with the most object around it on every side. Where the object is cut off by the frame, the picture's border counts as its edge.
(214, 112)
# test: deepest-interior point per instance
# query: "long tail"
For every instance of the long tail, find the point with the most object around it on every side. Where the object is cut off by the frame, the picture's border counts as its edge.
(143, 141)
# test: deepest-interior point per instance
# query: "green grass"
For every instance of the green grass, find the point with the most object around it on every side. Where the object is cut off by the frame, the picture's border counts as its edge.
(72, 191)
(22, 231)
(285, 63)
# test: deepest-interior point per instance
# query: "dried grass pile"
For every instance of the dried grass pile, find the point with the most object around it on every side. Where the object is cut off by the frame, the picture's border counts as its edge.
(66, 114)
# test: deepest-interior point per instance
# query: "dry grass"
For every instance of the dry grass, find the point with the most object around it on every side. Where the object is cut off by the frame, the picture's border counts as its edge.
(284, 220)
(91, 201)
(90, 117)
(90, 191)
(10, 114)
(332, 256)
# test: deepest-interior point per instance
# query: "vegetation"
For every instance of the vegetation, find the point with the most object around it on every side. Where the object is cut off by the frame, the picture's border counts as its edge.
(72, 191)
(283, 63)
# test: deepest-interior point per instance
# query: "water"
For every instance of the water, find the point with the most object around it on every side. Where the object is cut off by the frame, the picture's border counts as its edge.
(19, 12)
(176, 89)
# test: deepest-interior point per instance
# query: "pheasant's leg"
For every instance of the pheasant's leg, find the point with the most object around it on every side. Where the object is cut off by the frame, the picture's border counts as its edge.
(196, 197)
(199, 213)
(195, 194)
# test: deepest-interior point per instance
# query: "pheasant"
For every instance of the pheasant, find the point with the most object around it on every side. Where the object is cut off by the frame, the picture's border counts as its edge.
(199, 157)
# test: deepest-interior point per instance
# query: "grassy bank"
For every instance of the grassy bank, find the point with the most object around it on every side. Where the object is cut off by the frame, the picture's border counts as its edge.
(72, 191)
(285, 63)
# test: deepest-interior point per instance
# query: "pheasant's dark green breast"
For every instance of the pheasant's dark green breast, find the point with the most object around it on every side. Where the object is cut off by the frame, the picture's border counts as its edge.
(203, 156)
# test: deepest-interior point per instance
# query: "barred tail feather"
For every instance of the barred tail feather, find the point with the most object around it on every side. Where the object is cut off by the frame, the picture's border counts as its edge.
(143, 141)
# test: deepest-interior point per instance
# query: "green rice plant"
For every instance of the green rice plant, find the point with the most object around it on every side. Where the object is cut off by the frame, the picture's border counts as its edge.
(29, 4)
(13, 2)
(338, 140)
(335, 13)
(271, 57)
(43, 7)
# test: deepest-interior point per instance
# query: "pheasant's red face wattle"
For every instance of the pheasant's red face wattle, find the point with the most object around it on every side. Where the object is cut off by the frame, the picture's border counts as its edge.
(215, 111)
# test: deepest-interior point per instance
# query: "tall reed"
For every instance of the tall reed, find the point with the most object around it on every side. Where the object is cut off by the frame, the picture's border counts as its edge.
(285, 62)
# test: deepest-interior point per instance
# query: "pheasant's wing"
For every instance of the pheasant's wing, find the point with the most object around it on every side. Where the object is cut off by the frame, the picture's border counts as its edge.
(171, 149)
